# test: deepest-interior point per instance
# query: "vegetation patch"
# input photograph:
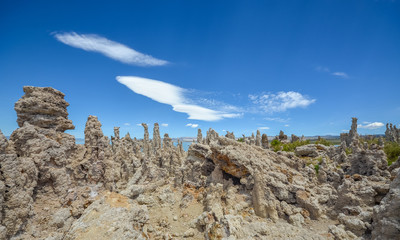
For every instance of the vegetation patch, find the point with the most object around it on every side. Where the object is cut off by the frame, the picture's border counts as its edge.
(277, 145)
(392, 150)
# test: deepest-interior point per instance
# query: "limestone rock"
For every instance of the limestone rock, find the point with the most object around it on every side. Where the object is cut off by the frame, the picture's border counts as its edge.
(230, 135)
(3, 142)
(264, 141)
(199, 136)
(294, 138)
(44, 108)
(156, 137)
(113, 216)
(392, 133)
(309, 150)
(258, 138)
(386, 217)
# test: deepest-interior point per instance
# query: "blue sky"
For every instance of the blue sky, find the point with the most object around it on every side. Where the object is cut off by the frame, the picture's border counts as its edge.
(305, 67)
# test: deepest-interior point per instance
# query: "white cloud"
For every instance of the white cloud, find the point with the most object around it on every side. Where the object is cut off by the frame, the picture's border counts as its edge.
(263, 128)
(287, 125)
(192, 125)
(277, 119)
(340, 74)
(223, 130)
(111, 49)
(281, 101)
(138, 124)
(164, 124)
(327, 70)
(127, 124)
(368, 125)
(172, 95)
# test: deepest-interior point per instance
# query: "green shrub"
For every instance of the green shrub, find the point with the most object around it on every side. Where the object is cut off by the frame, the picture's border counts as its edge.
(392, 150)
(348, 151)
(316, 167)
(276, 145)
(323, 141)
(275, 142)
(240, 140)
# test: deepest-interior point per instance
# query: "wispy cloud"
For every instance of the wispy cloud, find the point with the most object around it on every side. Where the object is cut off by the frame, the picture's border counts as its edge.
(287, 125)
(281, 101)
(263, 128)
(138, 124)
(111, 49)
(327, 70)
(192, 125)
(127, 124)
(164, 124)
(371, 125)
(166, 93)
(277, 119)
(340, 74)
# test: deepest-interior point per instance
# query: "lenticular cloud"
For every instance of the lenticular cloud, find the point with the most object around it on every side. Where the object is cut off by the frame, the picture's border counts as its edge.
(111, 49)
(172, 95)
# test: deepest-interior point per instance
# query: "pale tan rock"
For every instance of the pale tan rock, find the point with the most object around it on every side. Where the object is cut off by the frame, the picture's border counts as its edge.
(258, 138)
(199, 136)
(113, 216)
(44, 108)
(386, 217)
(264, 141)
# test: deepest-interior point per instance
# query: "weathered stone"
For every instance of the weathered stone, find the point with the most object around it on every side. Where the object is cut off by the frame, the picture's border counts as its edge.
(386, 217)
(156, 138)
(264, 141)
(258, 138)
(199, 136)
(392, 133)
(3, 142)
(44, 108)
(230, 135)
(112, 217)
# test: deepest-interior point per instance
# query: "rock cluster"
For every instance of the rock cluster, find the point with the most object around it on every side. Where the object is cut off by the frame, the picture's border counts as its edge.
(124, 188)
(392, 133)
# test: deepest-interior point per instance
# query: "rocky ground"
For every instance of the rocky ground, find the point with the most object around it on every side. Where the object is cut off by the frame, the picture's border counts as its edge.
(124, 188)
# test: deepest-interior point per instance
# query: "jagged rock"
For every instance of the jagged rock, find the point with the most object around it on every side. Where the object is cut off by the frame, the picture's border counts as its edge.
(252, 139)
(340, 234)
(116, 132)
(44, 108)
(20, 178)
(369, 162)
(282, 137)
(199, 136)
(156, 137)
(264, 141)
(52, 188)
(386, 217)
(97, 150)
(258, 138)
(309, 150)
(3, 142)
(167, 142)
(111, 217)
(211, 136)
(294, 138)
(351, 138)
(146, 140)
(230, 135)
(392, 133)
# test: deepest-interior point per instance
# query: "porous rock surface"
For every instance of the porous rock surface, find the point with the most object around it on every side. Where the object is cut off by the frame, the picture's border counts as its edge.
(124, 188)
